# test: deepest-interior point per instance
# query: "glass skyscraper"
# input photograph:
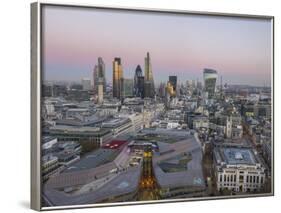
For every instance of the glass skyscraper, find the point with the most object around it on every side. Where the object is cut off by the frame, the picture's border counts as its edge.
(117, 75)
(210, 79)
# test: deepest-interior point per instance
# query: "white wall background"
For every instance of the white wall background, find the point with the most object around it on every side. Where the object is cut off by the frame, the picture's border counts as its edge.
(15, 104)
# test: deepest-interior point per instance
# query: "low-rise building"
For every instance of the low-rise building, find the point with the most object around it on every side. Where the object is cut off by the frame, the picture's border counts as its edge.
(238, 169)
(118, 126)
(200, 121)
(82, 134)
(50, 166)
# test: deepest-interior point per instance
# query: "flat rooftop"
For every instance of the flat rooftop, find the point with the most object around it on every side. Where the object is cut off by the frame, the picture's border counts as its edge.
(63, 129)
(235, 155)
(115, 122)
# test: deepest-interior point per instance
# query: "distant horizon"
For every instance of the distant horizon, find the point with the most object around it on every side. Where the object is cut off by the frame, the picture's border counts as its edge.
(157, 83)
(182, 45)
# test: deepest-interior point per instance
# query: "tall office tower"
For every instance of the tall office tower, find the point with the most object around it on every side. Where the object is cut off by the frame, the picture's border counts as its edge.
(95, 78)
(199, 85)
(140, 87)
(100, 93)
(173, 81)
(210, 78)
(138, 74)
(170, 89)
(127, 87)
(86, 84)
(117, 75)
(148, 76)
(162, 90)
(147, 89)
(99, 75)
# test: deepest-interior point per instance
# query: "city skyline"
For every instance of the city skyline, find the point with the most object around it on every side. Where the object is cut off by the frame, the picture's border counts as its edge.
(232, 46)
(168, 106)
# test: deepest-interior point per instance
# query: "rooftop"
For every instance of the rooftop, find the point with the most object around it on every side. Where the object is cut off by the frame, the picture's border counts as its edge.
(178, 164)
(115, 122)
(207, 70)
(124, 183)
(63, 129)
(94, 159)
(46, 139)
(235, 155)
(114, 144)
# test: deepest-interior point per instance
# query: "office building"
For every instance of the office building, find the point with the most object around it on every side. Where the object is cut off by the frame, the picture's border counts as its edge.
(118, 126)
(117, 75)
(148, 89)
(210, 79)
(127, 87)
(173, 81)
(170, 90)
(100, 93)
(99, 75)
(148, 75)
(86, 84)
(50, 166)
(140, 92)
(238, 169)
(138, 86)
(81, 134)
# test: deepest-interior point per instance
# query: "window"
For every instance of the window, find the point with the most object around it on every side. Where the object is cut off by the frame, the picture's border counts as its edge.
(241, 178)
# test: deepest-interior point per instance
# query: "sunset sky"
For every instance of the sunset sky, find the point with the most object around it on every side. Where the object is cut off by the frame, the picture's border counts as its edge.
(183, 45)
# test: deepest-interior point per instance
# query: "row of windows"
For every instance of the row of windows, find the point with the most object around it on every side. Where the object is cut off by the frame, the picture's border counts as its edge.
(254, 179)
(252, 186)
(228, 178)
(234, 185)
(249, 179)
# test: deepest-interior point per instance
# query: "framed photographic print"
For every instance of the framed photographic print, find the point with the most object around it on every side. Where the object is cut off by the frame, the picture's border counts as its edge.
(140, 106)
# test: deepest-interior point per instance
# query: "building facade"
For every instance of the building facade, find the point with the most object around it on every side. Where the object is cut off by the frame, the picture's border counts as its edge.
(238, 169)
(148, 77)
(99, 75)
(127, 87)
(117, 75)
(86, 84)
(173, 81)
(138, 87)
(210, 79)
